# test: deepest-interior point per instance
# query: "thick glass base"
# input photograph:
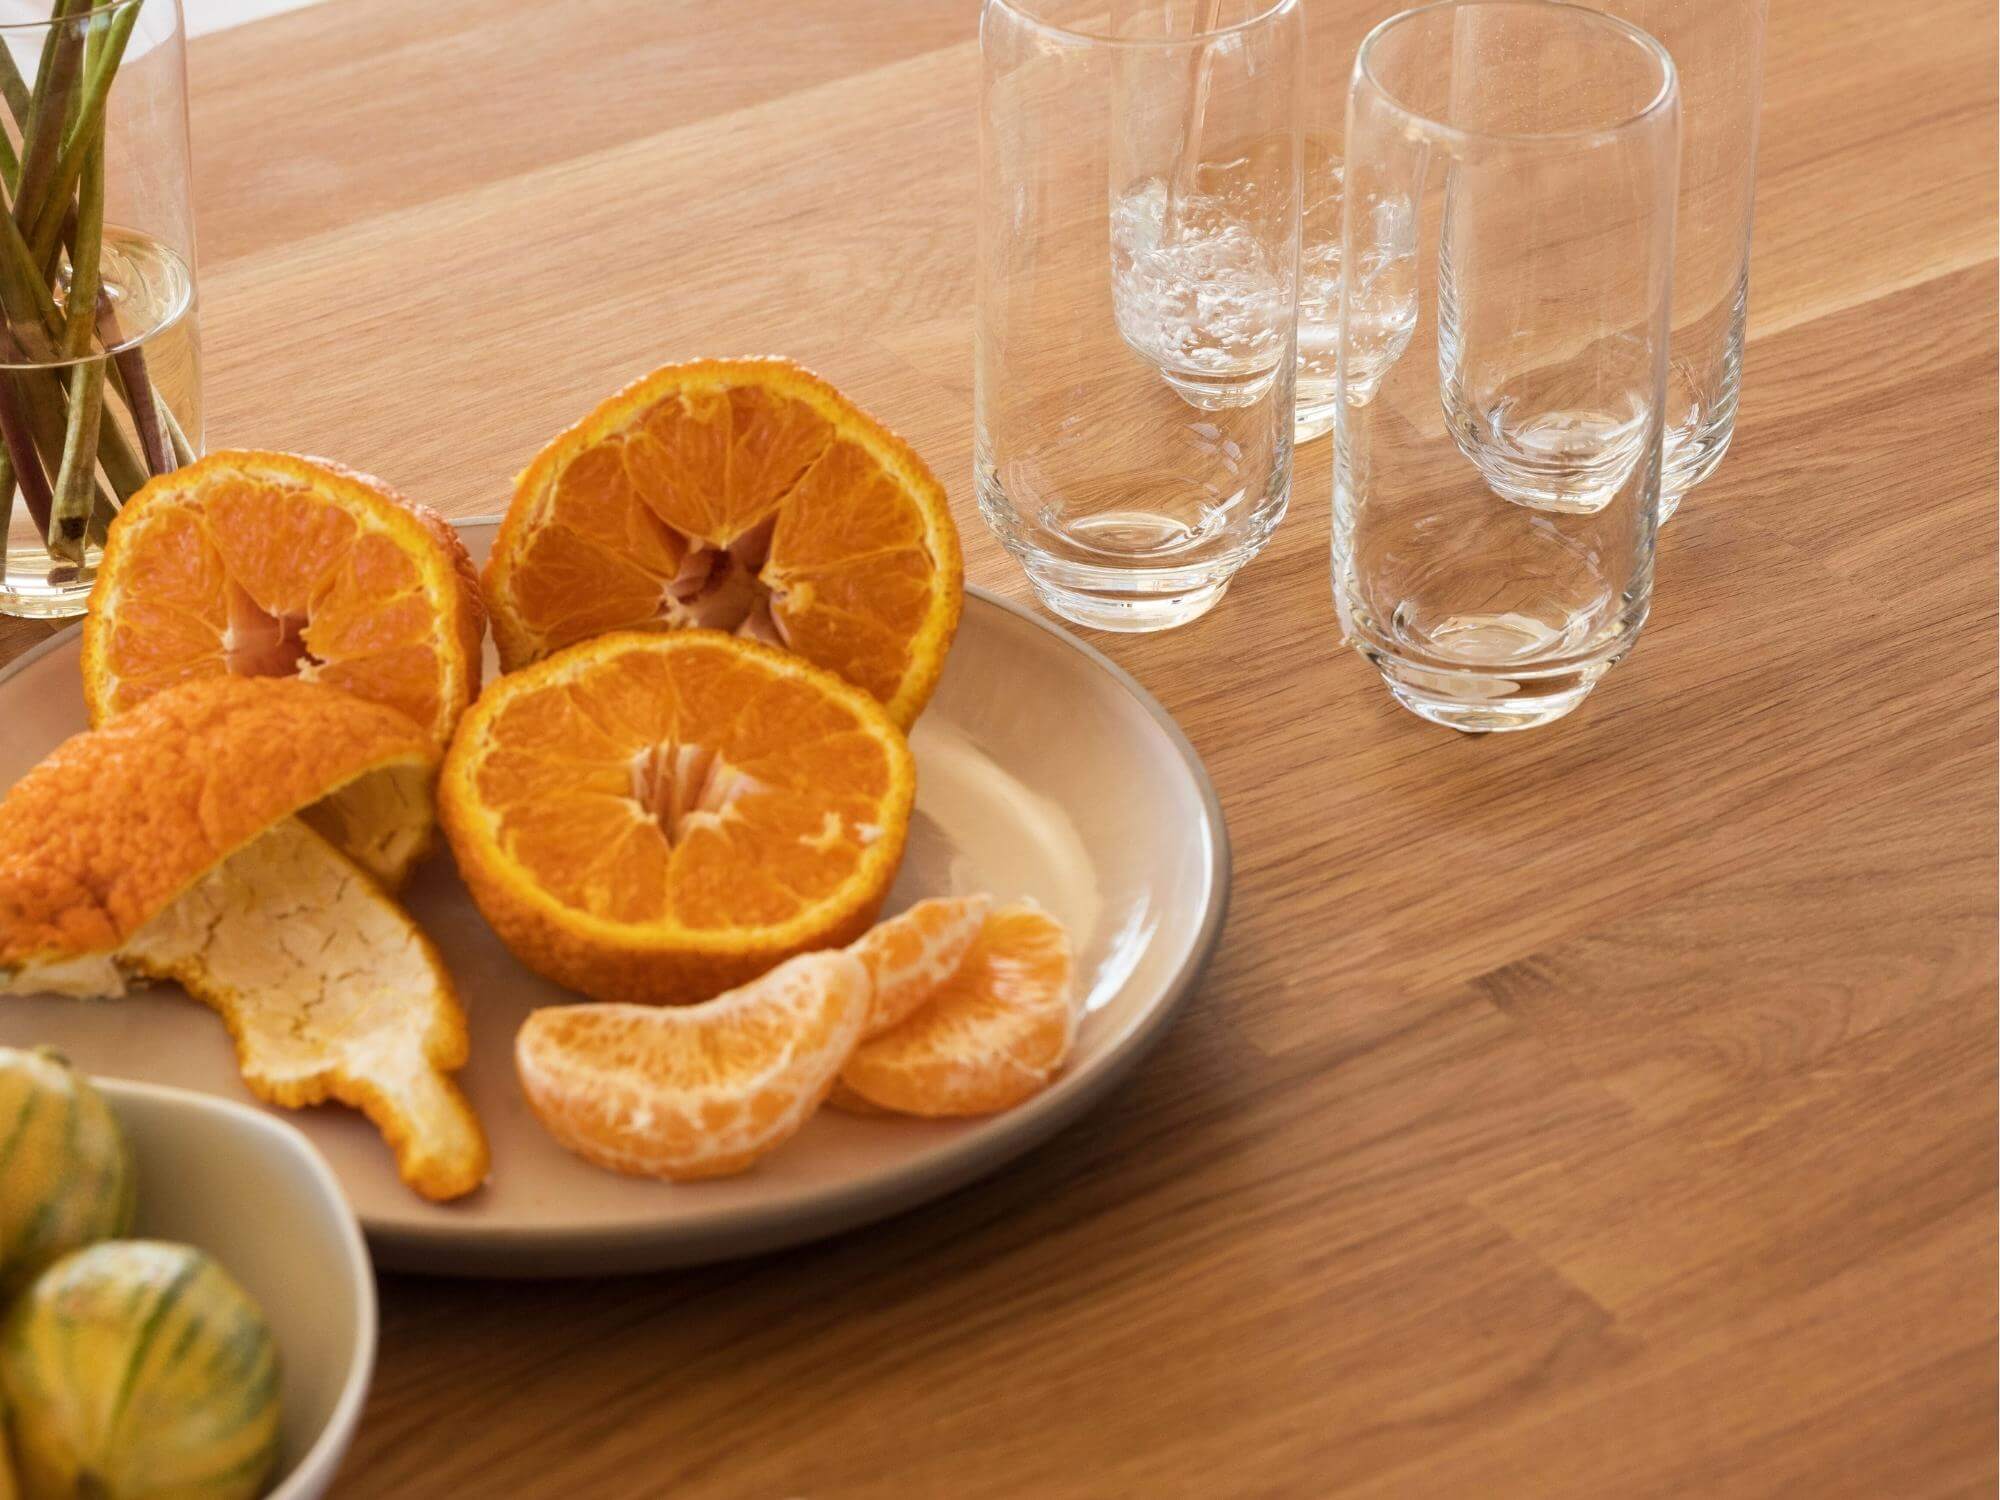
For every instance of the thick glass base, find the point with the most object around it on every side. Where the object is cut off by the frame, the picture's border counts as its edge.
(1491, 700)
(34, 586)
(1312, 422)
(1135, 570)
(1687, 464)
(1127, 602)
(1219, 392)
(1487, 716)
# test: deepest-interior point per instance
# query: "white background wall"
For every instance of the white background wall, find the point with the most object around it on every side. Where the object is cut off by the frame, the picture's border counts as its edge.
(214, 15)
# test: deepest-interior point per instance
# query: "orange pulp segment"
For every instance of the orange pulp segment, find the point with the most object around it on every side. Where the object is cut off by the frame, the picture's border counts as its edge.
(993, 1035)
(911, 955)
(700, 1090)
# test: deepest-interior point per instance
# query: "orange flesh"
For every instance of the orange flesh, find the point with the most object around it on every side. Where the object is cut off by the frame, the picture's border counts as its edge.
(694, 1091)
(739, 507)
(260, 579)
(994, 1034)
(698, 786)
(910, 956)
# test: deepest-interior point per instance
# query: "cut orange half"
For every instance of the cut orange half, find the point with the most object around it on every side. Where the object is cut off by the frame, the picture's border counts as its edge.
(993, 1034)
(267, 565)
(699, 1090)
(742, 495)
(659, 817)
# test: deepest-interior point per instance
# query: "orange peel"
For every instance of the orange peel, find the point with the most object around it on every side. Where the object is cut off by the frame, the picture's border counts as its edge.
(175, 843)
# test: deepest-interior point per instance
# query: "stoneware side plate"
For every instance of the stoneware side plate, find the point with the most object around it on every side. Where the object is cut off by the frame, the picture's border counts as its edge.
(1043, 771)
(245, 1187)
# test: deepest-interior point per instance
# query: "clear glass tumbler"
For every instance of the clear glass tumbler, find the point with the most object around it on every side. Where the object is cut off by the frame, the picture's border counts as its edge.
(1718, 51)
(1497, 453)
(1334, 29)
(100, 362)
(1138, 247)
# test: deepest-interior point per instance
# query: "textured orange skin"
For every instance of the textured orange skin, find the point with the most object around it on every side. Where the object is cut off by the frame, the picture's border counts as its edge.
(422, 532)
(518, 645)
(640, 976)
(545, 936)
(118, 821)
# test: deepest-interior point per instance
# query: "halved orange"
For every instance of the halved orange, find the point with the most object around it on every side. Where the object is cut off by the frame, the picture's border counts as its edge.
(912, 954)
(699, 1090)
(743, 495)
(995, 1033)
(259, 564)
(657, 817)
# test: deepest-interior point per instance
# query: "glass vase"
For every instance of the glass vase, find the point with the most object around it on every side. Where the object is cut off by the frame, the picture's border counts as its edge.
(100, 359)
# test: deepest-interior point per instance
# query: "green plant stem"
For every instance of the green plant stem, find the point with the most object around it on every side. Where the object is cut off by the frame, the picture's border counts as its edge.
(161, 451)
(21, 457)
(135, 388)
(41, 137)
(107, 50)
(14, 89)
(76, 478)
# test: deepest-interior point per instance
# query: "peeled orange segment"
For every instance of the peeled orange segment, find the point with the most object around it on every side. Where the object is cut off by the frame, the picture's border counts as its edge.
(741, 495)
(911, 955)
(700, 1090)
(658, 817)
(266, 565)
(993, 1034)
(173, 843)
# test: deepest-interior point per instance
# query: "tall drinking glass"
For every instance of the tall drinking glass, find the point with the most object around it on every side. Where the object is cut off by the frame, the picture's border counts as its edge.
(1497, 456)
(1138, 246)
(1334, 29)
(1718, 51)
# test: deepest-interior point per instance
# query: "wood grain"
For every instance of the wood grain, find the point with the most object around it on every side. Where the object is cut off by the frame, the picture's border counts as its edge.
(1608, 1110)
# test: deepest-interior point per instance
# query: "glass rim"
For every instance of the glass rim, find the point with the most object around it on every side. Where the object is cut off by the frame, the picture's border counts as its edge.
(100, 8)
(1663, 98)
(1025, 12)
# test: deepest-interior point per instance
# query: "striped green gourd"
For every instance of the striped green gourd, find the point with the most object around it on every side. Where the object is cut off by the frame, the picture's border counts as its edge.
(66, 1175)
(138, 1370)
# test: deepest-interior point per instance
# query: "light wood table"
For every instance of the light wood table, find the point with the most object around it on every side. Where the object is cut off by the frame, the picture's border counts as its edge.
(1606, 1111)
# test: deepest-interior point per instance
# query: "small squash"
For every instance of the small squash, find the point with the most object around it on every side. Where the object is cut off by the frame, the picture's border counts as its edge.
(66, 1174)
(137, 1369)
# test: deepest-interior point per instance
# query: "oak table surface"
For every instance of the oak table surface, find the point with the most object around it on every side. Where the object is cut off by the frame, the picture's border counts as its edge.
(1608, 1110)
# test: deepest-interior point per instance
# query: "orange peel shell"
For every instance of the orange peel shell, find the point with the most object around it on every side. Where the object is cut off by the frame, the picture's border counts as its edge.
(172, 843)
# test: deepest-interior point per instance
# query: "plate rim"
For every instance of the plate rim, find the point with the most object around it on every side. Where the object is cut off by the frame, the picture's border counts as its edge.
(433, 1247)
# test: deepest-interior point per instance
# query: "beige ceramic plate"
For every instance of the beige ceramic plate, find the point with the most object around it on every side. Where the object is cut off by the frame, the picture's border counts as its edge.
(1042, 771)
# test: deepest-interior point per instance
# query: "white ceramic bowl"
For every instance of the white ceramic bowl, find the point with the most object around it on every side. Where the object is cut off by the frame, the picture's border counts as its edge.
(246, 1188)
